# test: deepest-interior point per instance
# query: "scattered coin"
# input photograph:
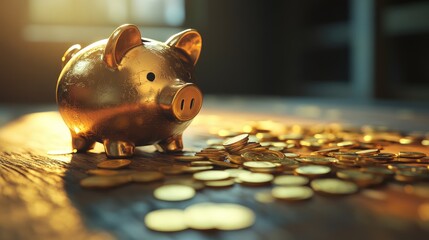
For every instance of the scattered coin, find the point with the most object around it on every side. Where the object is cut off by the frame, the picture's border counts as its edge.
(103, 172)
(292, 155)
(213, 175)
(333, 186)
(114, 164)
(290, 180)
(220, 183)
(313, 170)
(166, 220)
(174, 192)
(411, 154)
(292, 193)
(255, 178)
(201, 163)
(259, 164)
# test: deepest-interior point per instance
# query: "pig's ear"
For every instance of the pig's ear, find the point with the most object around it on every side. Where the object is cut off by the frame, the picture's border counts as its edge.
(70, 53)
(123, 39)
(190, 42)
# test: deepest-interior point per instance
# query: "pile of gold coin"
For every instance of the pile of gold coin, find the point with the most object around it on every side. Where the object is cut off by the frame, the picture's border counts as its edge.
(298, 162)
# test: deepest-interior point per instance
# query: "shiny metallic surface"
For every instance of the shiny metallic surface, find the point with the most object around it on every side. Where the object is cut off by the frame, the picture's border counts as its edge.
(129, 91)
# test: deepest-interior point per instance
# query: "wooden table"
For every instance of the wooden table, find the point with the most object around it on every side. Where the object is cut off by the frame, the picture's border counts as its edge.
(40, 195)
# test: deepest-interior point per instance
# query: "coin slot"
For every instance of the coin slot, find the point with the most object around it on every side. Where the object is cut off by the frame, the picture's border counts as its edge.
(182, 104)
(192, 103)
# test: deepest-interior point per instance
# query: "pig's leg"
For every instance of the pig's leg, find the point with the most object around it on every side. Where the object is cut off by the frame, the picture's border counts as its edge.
(171, 144)
(81, 143)
(118, 149)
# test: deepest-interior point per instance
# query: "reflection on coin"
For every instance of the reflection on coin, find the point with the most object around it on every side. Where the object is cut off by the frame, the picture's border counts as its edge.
(255, 178)
(114, 164)
(104, 181)
(146, 176)
(166, 220)
(213, 175)
(292, 193)
(312, 170)
(174, 192)
(290, 180)
(334, 186)
(197, 185)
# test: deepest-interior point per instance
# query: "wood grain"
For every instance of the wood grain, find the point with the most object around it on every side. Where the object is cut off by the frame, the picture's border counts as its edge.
(40, 196)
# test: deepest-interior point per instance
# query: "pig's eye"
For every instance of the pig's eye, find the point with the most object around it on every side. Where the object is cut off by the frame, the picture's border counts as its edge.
(150, 76)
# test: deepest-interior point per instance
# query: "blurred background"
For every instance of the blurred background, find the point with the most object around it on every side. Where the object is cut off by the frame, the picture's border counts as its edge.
(362, 50)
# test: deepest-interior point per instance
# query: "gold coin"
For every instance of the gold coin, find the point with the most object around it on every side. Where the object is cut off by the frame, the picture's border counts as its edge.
(292, 155)
(325, 151)
(166, 220)
(313, 170)
(411, 154)
(221, 216)
(146, 176)
(114, 164)
(213, 175)
(259, 164)
(201, 216)
(290, 180)
(334, 186)
(346, 144)
(255, 178)
(224, 164)
(360, 178)
(220, 183)
(292, 193)
(197, 185)
(266, 155)
(237, 139)
(174, 192)
(234, 172)
(234, 217)
(201, 163)
(368, 151)
(193, 169)
(379, 171)
(103, 172)
(317, 160)
(105, 181)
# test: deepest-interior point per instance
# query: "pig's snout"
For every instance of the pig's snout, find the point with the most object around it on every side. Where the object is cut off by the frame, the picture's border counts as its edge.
(182, 101)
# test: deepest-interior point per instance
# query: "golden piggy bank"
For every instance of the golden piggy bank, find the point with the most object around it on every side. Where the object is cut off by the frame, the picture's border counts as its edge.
(128, 91)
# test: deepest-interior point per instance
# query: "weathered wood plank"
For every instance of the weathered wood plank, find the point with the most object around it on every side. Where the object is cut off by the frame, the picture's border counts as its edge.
(40, 196)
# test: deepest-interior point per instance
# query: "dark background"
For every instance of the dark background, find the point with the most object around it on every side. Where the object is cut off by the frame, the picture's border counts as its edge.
(356, 49)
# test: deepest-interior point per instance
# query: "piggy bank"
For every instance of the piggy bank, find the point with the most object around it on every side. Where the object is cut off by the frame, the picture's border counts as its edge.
(128, 91)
